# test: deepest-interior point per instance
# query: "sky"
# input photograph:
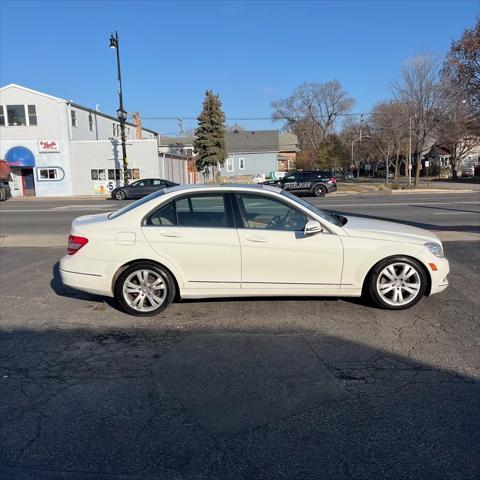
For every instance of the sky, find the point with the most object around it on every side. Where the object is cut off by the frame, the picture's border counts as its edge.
(249, 52)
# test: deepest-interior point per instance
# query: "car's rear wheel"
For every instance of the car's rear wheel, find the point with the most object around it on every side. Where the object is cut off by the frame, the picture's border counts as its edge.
(144, 289)
(120, 195)
(3, 194)
(319, 191)
(397, 283)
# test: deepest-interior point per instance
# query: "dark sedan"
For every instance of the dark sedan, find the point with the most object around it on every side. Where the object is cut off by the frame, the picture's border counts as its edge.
(141, 188)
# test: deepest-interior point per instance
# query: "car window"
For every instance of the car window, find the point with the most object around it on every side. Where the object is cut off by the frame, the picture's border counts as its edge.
(291, 178)
(157, 182)
(265, 213)
(136, 204)
(202, 211)
(140, 183)
(164, 216)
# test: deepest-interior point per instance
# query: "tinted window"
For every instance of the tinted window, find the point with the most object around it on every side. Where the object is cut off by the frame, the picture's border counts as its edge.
(164, 216)
(141, 183)
(292, 177)
(260, 212)
(157, 183)
(136, 204)
(202, 211)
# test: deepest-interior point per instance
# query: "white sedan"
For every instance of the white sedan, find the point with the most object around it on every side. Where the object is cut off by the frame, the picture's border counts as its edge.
(245, 241)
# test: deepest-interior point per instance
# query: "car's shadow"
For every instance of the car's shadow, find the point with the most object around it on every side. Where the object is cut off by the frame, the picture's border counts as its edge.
(63, 291)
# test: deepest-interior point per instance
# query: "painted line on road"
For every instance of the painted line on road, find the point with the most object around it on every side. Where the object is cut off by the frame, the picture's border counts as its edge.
(456, 213)
(391, 204)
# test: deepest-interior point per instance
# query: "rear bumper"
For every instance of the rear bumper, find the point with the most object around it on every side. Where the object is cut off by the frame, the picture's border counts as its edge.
(95, 283)
(331, 187)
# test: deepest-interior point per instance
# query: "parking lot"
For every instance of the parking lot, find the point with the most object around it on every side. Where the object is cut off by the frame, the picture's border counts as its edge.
(293, 388)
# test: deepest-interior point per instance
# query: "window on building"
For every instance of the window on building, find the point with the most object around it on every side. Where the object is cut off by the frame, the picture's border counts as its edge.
(102, 175)
(74, 118)
(114, 173)
(32, 115)
(90, 122)
(229, 164)
(2, 116)
(16, 115)
(241, 163)
(94, 174)
(48, 174)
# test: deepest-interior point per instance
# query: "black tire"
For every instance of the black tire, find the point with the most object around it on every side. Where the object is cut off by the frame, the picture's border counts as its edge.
(3, 194)
(372, 283)
(120, 195)
(169, 289)
(319, 190)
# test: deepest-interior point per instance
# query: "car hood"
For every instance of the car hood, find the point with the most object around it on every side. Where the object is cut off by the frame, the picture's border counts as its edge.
(379, 229)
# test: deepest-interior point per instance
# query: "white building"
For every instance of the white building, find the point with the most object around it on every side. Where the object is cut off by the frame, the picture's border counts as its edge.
(55, 147)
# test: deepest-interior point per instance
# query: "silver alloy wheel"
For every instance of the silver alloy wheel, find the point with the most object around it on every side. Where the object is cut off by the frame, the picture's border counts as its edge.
(398, 284)
(144, 290)
(120, 195)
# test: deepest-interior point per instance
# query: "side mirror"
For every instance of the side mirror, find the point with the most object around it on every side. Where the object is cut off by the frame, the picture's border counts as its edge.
(312, 228)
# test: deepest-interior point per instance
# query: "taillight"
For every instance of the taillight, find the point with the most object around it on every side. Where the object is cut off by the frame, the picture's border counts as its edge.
(75, 244)
(333, 180)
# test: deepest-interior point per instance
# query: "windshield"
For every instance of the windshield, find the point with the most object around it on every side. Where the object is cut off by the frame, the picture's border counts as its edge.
(136, 204)
(326, 216)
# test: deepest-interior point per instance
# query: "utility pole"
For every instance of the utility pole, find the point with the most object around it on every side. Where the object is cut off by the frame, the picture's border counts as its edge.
(409, 166)
(180, 126)
(121, 113)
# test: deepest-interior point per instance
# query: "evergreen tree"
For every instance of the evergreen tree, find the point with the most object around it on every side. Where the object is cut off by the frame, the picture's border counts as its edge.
(209, 140)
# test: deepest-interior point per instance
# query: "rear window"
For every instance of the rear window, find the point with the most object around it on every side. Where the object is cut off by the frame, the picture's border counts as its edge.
(208, 211)
(136, 204)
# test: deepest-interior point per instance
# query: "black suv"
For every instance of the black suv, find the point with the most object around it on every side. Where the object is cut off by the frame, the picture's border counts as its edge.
(312, 182)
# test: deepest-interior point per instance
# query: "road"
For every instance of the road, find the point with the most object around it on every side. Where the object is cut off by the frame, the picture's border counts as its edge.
(239, 389)
(441, 212)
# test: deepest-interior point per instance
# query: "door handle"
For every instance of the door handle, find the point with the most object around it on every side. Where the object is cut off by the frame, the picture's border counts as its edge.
(256, 239)
(170, 234)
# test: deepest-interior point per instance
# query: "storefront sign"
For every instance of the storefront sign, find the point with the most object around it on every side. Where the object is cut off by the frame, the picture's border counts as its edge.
(46, 146)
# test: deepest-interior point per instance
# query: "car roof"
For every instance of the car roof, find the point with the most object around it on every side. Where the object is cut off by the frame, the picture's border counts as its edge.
(223, 186)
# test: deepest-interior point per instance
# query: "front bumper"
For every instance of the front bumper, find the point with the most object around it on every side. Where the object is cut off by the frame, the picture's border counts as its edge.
(438, 277)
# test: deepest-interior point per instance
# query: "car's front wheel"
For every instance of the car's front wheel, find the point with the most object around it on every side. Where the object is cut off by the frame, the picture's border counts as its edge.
(144, 289)
(120, 195)
(397, 283)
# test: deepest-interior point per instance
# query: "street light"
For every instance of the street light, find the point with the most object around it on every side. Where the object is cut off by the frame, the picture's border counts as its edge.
(121, 113)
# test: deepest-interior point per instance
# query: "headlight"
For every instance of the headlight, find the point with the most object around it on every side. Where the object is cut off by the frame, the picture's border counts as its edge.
(435, 248)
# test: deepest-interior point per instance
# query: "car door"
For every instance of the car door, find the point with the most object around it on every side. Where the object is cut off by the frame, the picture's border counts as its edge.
(138, 189)
(297, 182)
(196, 233)
(275, 251)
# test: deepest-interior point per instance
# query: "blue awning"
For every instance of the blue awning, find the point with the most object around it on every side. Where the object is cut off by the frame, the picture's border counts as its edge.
(20, 157)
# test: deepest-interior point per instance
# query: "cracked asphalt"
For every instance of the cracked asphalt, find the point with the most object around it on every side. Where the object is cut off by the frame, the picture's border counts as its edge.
(236, 389)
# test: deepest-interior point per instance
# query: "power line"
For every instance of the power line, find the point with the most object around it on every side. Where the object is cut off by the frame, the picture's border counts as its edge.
(176, 117)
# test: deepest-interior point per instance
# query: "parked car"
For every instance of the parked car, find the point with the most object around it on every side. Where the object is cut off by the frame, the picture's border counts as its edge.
(311, 182)
(199, 241)
(5, 193)
(141, 188)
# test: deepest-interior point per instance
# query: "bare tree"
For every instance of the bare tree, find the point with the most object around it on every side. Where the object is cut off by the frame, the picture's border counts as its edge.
(388, 124)
(312, 112)
(458, 131)
(235, 127)
(418, 88)
(462, 67)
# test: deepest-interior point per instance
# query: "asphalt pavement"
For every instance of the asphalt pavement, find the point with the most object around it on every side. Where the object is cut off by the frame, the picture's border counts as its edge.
(289, 388)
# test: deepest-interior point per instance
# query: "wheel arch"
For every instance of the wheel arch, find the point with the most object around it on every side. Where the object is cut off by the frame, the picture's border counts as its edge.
(399, 257)
(149, 260)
